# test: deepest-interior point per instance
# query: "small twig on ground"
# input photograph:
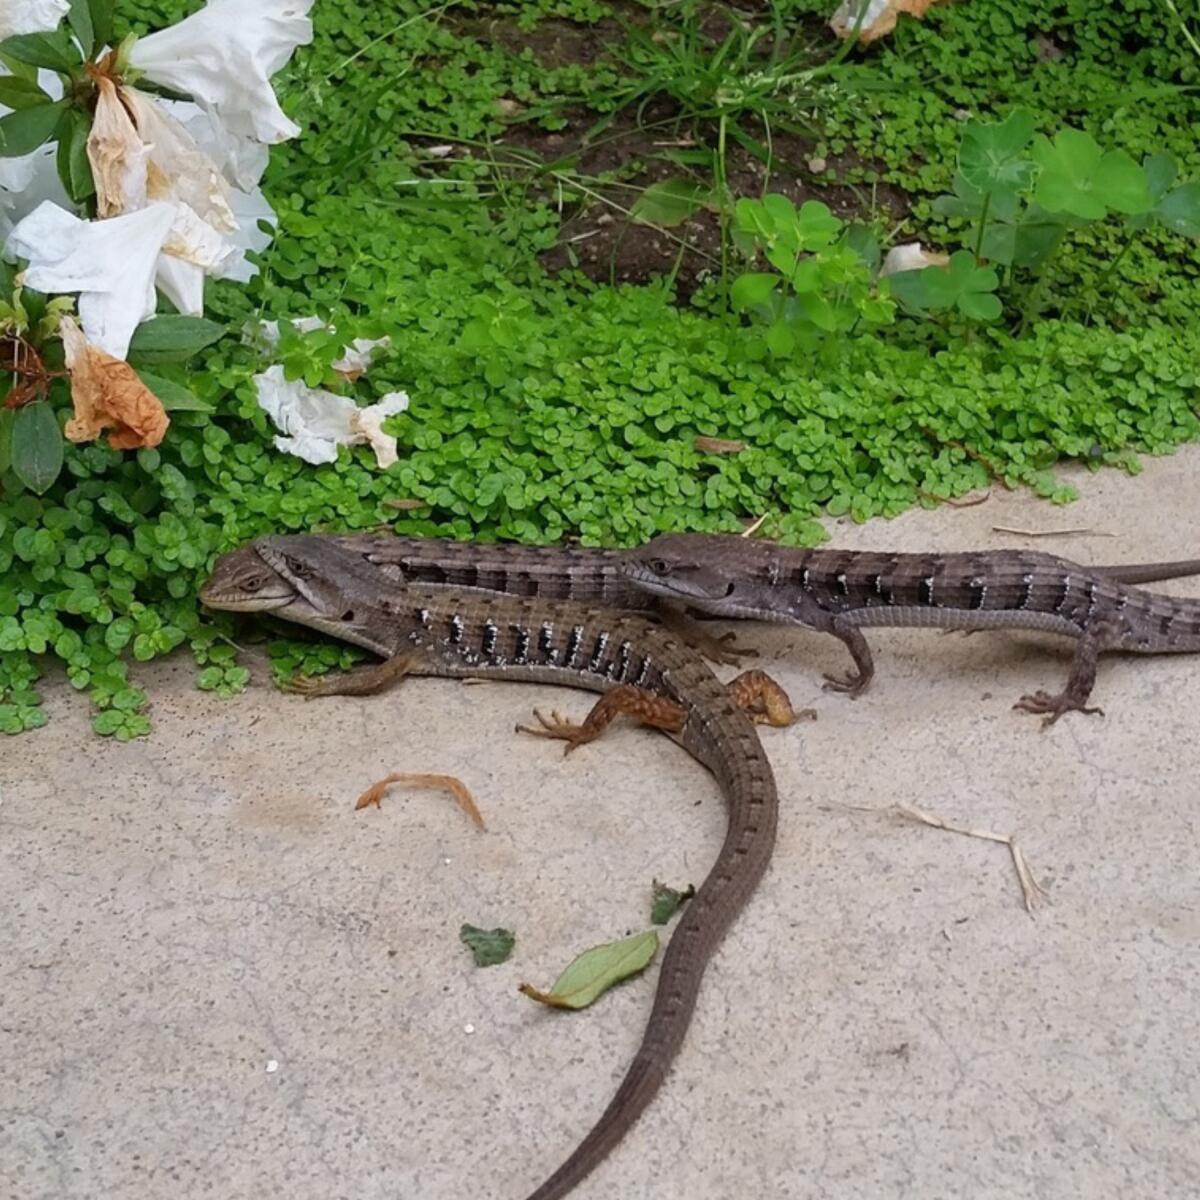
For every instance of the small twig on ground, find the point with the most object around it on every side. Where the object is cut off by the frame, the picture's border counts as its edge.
(753, 527)
(1032, 892)
(448, 783)
(1080, 529)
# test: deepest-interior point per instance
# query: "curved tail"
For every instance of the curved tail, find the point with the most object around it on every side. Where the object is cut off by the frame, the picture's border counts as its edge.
(637, 1089)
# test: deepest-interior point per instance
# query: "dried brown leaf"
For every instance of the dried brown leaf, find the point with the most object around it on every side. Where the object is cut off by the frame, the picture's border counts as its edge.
(711, 445)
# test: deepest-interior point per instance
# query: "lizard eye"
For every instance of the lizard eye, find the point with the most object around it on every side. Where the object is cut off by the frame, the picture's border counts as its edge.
(298, 568)
(659, 566)
(252, 583)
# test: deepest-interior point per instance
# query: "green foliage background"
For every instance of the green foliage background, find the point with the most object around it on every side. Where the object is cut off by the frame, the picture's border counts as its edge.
(542, 407)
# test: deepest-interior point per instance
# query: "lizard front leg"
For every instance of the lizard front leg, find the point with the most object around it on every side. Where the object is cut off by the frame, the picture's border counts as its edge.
(716, 649)
(1074, 697)
(755, 692)
(362, 681)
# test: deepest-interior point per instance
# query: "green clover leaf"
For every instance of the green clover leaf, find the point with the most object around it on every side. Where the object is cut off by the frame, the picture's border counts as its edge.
(1077, 177)
(992, 157)
(961, 285)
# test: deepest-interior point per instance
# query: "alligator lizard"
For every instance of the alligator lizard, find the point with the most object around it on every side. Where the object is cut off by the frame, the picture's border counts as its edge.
(840, 592)
(594, 576)
(427, 630)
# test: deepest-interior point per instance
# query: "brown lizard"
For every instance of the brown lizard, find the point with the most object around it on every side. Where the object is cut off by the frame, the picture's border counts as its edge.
(841, 591)
(587, 574)
(595, 576)
(641, 669)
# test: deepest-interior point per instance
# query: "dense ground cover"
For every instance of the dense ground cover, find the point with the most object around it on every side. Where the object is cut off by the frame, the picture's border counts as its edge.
(465, 183)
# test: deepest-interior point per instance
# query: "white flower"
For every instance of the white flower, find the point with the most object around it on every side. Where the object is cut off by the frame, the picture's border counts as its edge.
(242, 160)
(224, 56)
(317, 422)
(249, 208)
(140, 154)
(109, 263)
(31, 16)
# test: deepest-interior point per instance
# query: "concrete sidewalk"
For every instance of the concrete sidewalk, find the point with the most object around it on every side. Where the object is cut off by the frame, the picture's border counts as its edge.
(217, 980)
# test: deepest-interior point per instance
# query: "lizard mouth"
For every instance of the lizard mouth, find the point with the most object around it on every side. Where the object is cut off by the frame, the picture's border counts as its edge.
(233, 602)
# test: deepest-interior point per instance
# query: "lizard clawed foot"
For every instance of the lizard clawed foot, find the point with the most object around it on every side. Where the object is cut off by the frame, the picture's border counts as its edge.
(1053, 707)
(724, 650)
(852, 685)
(557, 726)
(308, 686)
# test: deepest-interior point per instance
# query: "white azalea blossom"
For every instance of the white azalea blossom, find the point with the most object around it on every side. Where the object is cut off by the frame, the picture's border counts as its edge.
(141, 154)
(242, 160)
(31, 16)
(314, 422)
(111, 265)
(224, 56)
(249, 208)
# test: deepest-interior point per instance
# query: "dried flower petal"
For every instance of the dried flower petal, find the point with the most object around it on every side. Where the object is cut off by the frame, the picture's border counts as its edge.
(107, 394)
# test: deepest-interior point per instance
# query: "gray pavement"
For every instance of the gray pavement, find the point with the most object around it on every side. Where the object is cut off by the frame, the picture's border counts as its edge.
(217, 980)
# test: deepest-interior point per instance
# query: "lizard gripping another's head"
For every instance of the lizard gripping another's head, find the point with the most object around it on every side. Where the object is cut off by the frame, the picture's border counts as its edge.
(716, 573)
(301, 578)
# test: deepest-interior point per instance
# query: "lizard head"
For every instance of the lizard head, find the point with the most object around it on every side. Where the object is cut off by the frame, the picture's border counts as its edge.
(311, 580)
(716, 573)
(242, 581)
(686, 566)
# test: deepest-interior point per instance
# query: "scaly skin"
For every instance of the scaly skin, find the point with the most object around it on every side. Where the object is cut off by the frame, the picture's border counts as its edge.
(840, 591)
(428, 630)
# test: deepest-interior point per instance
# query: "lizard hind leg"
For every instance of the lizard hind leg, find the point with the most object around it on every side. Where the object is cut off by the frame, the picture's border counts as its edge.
(647, 707)
(853, 683)
(1074, 697)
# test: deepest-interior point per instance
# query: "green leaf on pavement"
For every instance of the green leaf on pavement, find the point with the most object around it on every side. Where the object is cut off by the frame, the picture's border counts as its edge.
(667, 901)
(596, 970)
(487, 946)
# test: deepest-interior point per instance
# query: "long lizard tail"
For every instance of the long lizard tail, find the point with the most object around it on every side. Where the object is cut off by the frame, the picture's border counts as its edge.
(1137, 573)
(637, 1089)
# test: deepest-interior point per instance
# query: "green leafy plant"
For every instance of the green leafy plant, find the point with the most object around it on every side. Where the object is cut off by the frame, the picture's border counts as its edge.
(1020, 194)
(820, 284)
